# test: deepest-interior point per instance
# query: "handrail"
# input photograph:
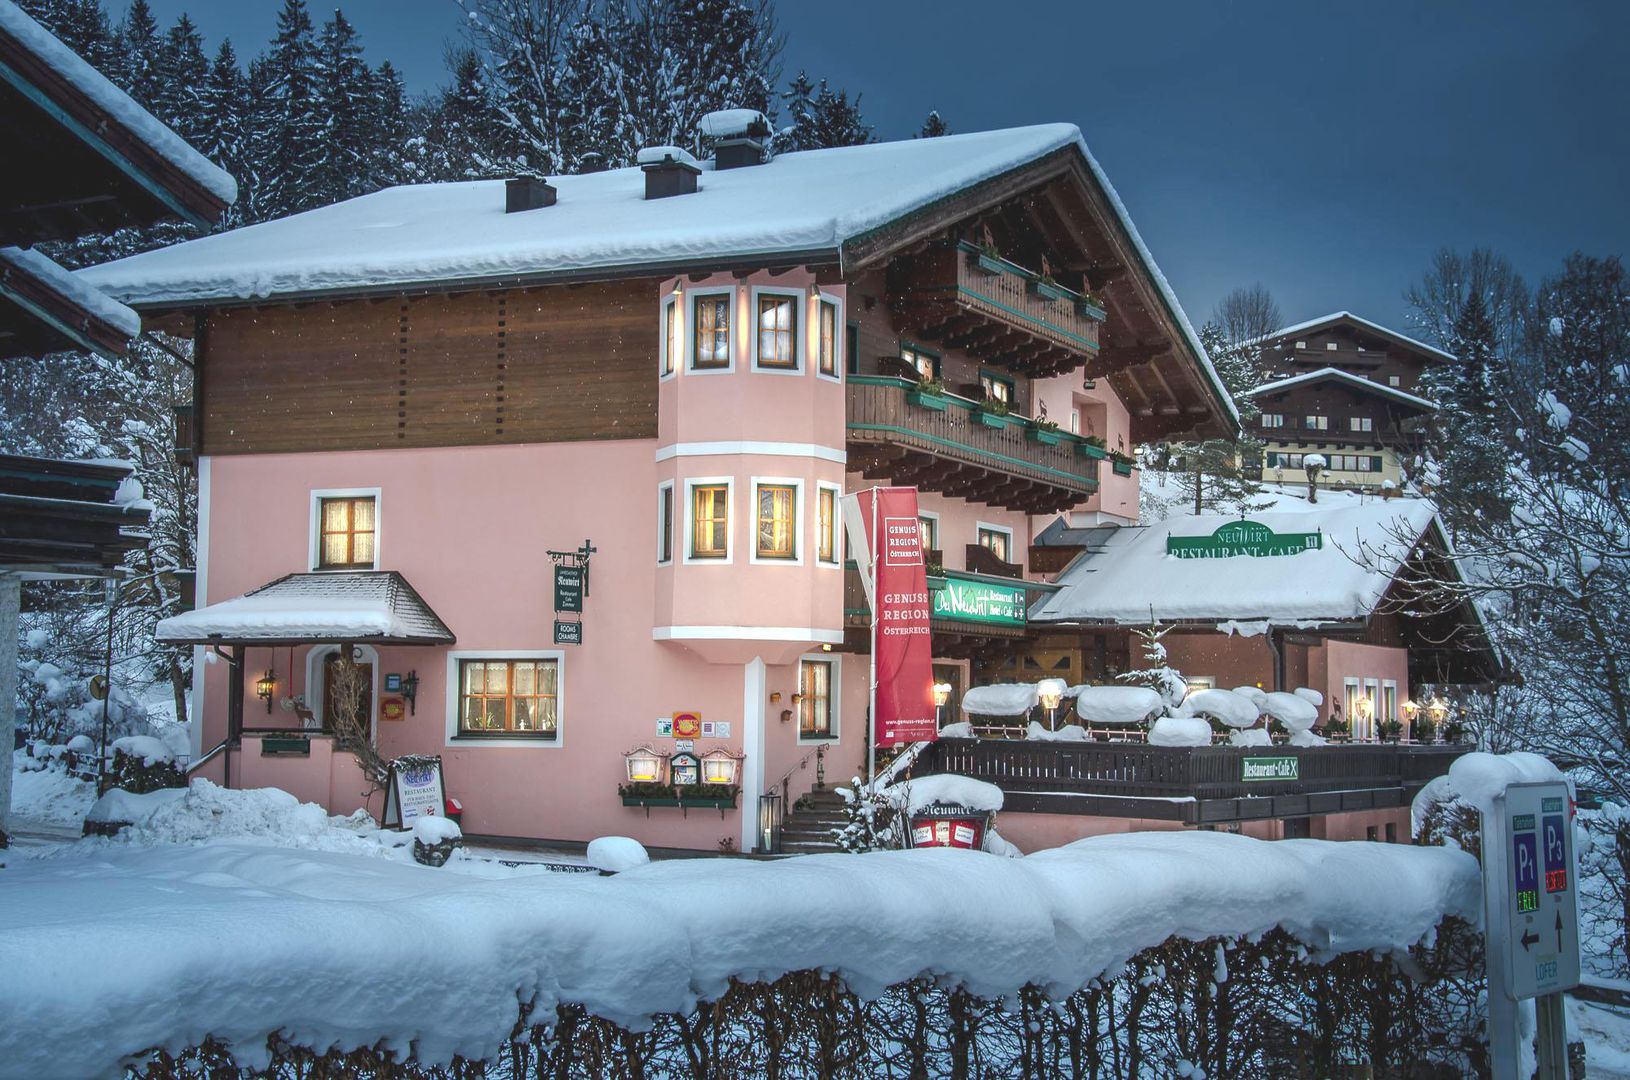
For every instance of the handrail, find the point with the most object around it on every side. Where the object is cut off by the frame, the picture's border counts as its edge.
(905, 759)
(967, 403)
(204, 760)
(786, 779)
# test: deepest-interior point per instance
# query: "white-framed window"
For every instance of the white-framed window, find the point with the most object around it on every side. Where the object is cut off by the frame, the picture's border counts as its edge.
(1389, 700)
(665, 522)
(778, 510)
(927, 364)
(818, 697)
(344, 531)
(997, 539)
(1393, 380)
(1318, 423)
(506, 697)
(1331, 346)
(996, 387)
(830, 335)
(1075, 421)
(1301, 344)
(1360, 423)
(928, 530)
(1273, 420)
(778, 330)
(1358, 726)
(710, 345)
(672, 346)
(707, 519)
(828, 524)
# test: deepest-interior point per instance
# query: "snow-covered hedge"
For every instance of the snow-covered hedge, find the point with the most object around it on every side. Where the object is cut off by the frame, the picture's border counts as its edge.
(688, 963)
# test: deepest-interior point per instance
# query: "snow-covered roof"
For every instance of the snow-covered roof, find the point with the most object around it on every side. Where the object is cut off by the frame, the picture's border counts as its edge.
(73, 289)
(358, 606)
(1275, 385)
(1133, 581)
(115, 102)
(1338, 316)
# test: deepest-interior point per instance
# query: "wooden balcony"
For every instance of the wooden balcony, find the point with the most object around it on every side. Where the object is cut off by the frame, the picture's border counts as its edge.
(947, 444)
(1194, 785)
(999, 312)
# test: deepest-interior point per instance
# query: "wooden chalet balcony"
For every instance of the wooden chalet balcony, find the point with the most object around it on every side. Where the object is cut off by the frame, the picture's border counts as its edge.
(997, 311)
(1194, 785)
(946, 443)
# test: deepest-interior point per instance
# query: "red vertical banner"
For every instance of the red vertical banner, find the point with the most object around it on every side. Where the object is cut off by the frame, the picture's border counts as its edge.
(902, 643)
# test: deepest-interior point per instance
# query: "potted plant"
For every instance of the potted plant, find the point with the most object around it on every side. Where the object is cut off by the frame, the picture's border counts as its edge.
(1335, 729)
(1454, 732)
(992, 412)
(713, 796)
(1424, 731)
(1093, 446)
(1092, 306)
(1122, 463)
(1043, 431)
(928, 394)
(1389, 730)
(934, 569)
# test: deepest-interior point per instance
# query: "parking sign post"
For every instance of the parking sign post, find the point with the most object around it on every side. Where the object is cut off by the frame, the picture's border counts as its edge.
(1531, 919)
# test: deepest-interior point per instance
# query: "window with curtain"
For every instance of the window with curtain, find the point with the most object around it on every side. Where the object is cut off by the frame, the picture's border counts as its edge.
(815, 699)
(671, 337)
(827, 521)
(778, 332)
(926, 364)
(710, 521)
(710, 315)
(509, 697)
(998, 542)
(928, 531)
(347, 533)
(777, 521)
(829, 338)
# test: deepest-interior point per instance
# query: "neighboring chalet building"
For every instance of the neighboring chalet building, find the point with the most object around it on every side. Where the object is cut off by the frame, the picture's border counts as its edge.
(411, 406)
(81, 157)
(1348, 389)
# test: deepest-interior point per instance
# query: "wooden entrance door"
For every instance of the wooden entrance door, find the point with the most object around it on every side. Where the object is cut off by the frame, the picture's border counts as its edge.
(331, 663)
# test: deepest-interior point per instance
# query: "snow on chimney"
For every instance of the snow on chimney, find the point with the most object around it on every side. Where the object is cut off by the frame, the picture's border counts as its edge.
(740, 135)
(527, 193)
(669, 170)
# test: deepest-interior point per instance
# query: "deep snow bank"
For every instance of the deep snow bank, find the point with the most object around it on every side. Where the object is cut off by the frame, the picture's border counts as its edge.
(138, 947)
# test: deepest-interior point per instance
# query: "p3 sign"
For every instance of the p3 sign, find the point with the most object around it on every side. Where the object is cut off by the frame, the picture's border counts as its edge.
(1540, 914)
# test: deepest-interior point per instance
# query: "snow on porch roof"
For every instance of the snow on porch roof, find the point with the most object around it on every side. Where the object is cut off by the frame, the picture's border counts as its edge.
(369, 606)
(1133, 581)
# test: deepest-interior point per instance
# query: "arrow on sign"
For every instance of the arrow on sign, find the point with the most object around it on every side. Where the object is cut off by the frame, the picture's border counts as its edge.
(1559, 931)
(1528, 938)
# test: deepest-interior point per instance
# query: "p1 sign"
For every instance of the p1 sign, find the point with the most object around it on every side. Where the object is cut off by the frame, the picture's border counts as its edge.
(1540, 910)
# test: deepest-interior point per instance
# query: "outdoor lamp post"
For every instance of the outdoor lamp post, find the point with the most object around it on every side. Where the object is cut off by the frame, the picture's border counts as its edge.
(1050, 692)
(1364, 711)
(266, 688)
(1438, 710)
(942, 694)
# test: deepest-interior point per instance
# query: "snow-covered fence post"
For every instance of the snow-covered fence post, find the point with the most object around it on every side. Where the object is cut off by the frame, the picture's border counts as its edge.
(10, 599)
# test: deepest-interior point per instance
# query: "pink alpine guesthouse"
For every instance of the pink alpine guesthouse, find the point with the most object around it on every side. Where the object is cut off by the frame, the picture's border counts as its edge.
(559, 464)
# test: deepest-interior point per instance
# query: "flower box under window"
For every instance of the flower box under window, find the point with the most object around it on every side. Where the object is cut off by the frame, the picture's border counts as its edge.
(1046, 436)
(986, 263)
(925, 399)
(1122, 468)
(990, 418)
(1048, 290)
(1091, 310)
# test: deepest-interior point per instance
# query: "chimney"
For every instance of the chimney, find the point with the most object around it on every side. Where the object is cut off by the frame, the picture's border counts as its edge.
(739, 135)
(527, 193)
(668, 171)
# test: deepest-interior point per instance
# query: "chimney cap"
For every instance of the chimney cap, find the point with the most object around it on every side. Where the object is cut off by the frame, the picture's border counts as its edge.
(657, 156)
(734, 123)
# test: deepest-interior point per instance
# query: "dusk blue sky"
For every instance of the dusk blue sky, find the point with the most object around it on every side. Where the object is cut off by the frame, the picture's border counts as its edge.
(1324, 151)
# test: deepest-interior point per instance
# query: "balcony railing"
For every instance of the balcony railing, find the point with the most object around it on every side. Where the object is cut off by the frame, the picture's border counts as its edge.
(1192, 784)
(996, 310)
(948, 444)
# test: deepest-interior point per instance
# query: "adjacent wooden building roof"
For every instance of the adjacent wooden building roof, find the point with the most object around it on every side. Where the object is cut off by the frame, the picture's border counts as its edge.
(67, 518)
(1348, 379)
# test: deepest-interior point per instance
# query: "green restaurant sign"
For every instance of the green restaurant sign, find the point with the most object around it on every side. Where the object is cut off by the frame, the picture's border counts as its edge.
(1242, 538)
(1270, 768)
(979, 602)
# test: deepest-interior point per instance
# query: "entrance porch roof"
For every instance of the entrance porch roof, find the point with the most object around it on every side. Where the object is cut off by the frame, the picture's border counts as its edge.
(362, 607)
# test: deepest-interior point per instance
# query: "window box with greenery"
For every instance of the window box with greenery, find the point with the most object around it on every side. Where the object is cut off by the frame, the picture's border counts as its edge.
(1092, 307)
(1044, 432)
(1121, 463)
(1092, 446)
(928, 394)
(1048, 289)
(985, 259)
(993, 412)
(702, 796)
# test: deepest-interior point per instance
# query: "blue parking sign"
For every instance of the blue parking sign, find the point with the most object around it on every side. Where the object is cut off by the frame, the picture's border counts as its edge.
(1525, 861)
(1556, 852)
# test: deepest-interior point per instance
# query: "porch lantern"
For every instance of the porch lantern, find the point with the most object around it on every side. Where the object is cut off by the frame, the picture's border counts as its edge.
(1049, 692)
(1410, 710)
(644, 765)
(942, 694)
(720, 767)
(1364, 707)
(266, 688)
(1438, 710)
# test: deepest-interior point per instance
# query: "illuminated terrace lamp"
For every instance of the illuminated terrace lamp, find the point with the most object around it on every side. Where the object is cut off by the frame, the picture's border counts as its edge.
(1410, 710)
(644, 765)
(720, 767)
(1438, 710)
(942, 694)
(266, 688)
(1049, 692)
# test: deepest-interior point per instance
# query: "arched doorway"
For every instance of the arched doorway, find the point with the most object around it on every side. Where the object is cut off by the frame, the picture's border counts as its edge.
(320, 663)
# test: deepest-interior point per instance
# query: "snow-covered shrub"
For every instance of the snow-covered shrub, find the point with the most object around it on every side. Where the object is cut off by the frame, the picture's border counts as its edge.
(142, 763)
(869, 820)
(1157, 675)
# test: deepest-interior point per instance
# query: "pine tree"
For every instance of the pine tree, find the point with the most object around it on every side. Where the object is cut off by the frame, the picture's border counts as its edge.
(138, 45)
(82, 25)
(181, 71)
(1157, 675)
(1216, 475)
(1467, 441)
(933, 127)
(597, 99)
(461, 143)
(222, 105)
(347, 103)
(818, 118)
(712, 54)
(260, 133)
(388, 129)
(289, 154)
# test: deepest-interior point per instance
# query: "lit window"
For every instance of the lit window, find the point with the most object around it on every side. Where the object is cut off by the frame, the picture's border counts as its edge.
(996, 388)
(815, 699)
(827, 520)
(777, 521)
(710, 521)
(926, 364)
(347, 533)
(1393, 380)
(671, 335)
(928, 531)
(829, 338)
(710, 315)
(999, 542)
(1360, 423)
(778, 332)
(1330, 345)
(665, 523)
(509, 697)
(1301, 344)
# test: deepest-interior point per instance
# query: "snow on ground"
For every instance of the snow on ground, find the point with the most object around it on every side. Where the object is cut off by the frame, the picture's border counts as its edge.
(137, 947)
(50, 796)
(1605, 1030)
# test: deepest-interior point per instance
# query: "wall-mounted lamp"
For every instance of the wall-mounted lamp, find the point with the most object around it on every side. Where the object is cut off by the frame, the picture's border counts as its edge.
(266, 688)
(1364, 707)
(826, 646)
(410, 690)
